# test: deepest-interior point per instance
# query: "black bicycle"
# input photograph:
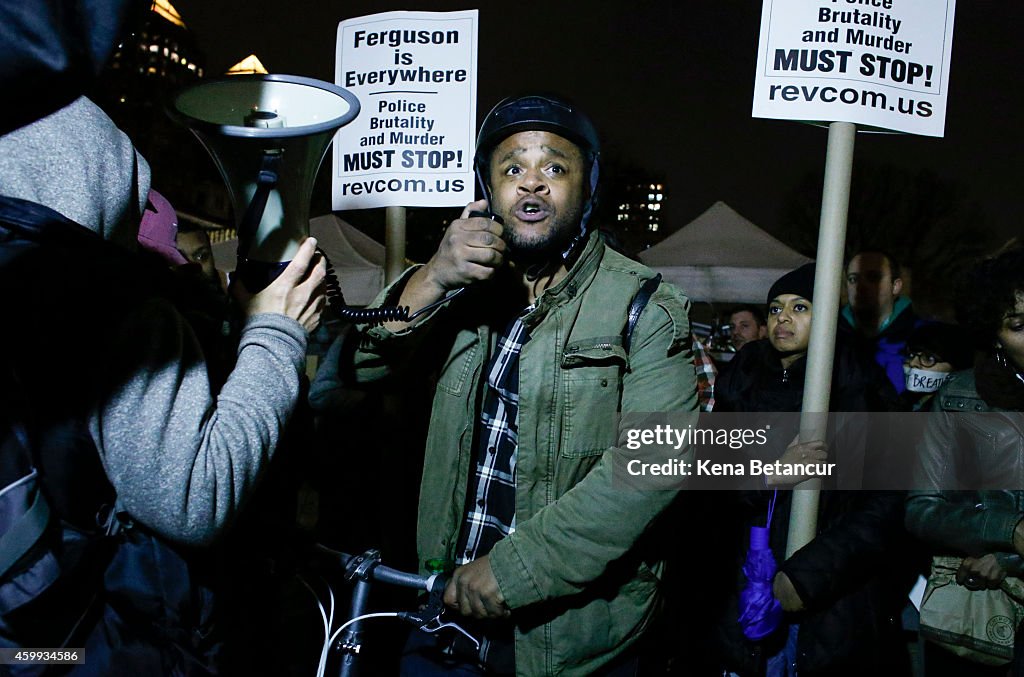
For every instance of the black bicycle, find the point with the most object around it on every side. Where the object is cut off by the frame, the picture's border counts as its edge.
(360, 570)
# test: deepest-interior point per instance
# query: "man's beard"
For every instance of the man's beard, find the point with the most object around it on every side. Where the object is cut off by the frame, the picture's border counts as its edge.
(541, 248)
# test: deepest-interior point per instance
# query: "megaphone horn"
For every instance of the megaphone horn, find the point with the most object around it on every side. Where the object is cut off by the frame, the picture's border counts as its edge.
(268, 135)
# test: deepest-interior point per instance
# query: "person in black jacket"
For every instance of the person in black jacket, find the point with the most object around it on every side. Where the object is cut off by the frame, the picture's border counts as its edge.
(967, 500)
(841, 605)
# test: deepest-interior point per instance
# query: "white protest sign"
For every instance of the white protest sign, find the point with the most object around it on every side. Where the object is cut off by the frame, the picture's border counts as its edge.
(880, 63)
(412, 144)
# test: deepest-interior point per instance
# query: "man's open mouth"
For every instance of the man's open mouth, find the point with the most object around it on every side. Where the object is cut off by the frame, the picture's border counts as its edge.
(531, 211)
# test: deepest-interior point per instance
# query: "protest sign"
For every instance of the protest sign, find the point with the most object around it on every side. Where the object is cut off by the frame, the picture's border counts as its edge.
(879, 63)
(415, 76)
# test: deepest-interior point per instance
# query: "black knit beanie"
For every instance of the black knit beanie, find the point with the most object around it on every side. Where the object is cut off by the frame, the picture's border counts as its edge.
(799, 282)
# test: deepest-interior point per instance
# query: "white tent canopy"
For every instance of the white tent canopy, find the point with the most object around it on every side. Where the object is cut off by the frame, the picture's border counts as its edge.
(357, 259)
(722, 257)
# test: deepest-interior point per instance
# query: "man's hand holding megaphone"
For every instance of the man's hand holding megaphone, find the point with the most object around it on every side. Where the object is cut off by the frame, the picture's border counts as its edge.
(471, 251)
(298, 292)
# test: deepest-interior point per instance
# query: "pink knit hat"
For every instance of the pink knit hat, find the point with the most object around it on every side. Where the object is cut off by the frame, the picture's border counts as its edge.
(158, 231)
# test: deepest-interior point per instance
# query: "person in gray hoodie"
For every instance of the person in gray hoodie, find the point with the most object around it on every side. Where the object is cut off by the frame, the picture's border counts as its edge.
(181, 451)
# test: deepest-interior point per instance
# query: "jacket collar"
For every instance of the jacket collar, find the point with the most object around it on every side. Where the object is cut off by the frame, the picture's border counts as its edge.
(574, 283)
(901, 304)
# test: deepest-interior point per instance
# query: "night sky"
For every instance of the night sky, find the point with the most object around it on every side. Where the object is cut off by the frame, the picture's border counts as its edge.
(669, 86)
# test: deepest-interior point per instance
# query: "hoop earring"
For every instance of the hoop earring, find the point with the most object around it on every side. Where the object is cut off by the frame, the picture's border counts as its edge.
(1001, 357)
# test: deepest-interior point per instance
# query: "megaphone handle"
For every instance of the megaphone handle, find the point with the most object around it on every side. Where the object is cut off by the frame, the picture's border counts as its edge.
(266, 180)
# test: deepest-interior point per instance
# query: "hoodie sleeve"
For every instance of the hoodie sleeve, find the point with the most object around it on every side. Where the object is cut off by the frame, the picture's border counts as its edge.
(181, 459)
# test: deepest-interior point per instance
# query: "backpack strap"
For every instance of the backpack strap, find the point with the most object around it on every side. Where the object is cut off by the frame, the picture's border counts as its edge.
(636, 308)
(29, 527)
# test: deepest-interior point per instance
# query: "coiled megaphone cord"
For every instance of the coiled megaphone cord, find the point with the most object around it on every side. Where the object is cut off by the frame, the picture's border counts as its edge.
(371, 316)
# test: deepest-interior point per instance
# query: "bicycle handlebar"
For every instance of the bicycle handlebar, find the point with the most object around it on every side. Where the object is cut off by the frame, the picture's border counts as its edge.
(359, 566)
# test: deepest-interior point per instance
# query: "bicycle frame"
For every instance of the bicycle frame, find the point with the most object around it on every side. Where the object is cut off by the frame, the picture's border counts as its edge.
(360, 570)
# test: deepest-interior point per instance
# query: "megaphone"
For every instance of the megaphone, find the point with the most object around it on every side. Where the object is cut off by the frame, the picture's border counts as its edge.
(268, 135)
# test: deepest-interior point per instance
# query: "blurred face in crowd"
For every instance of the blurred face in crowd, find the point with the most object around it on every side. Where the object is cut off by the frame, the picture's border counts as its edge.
(789, 325)
(871, 289)
(743, 328)
(924, 359)
(537, 188)
(195, 247)
(1010, 335)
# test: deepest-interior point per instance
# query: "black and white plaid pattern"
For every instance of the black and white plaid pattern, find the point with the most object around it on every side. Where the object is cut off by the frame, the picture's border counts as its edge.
(491, 512)
(491, 509)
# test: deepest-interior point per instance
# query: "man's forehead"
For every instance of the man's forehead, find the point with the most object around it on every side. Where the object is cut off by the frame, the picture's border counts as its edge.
(549, 142)
(742, 316)
(869, 261)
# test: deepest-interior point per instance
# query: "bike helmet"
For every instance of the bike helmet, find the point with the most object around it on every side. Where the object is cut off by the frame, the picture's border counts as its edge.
(541, 113)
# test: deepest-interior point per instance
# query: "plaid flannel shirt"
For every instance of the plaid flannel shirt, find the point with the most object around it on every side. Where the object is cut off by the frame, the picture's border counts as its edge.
(706, 373)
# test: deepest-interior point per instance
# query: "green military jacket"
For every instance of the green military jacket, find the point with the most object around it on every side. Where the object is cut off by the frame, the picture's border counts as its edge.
(580, 586)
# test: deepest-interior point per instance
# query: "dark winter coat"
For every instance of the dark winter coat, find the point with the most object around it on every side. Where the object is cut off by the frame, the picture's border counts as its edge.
(845, 576)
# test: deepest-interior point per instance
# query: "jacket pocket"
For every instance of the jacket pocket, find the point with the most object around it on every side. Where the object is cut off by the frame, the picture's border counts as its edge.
(457, 369)
(591, 389)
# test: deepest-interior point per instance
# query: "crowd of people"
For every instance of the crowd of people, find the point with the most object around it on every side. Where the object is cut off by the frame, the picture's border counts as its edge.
(151, 474)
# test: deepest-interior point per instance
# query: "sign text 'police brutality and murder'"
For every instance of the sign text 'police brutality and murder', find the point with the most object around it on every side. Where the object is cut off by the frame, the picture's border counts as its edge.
(881, 63)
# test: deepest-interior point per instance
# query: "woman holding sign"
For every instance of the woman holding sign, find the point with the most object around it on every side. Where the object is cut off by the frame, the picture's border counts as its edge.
(834, 600)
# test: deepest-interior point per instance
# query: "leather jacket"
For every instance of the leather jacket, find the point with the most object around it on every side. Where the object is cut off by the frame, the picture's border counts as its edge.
(974, 521)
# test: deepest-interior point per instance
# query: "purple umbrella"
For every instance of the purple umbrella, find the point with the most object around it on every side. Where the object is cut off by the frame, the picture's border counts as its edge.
(760, 612)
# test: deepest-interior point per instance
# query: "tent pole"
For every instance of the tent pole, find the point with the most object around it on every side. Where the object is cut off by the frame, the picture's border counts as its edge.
(394, 243)
(835, 202)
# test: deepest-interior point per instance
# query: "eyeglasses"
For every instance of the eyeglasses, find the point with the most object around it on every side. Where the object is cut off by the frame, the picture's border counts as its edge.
(926, 359)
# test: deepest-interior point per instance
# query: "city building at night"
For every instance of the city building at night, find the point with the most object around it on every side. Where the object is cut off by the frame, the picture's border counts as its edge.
(639, 210)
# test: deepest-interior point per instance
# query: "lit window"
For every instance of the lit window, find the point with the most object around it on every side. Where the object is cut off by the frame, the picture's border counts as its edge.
(154, 48)
(650, 196)
(658, 197)
(184, 61)
(200, 72)
(122, 99)
(167, 52)
(174, 57)
(652, 186)
(659, 186)
(191, 66)
(151, 70)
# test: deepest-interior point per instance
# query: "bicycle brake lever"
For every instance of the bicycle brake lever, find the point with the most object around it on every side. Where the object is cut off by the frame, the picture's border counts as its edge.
(436, 626)
(432, 610)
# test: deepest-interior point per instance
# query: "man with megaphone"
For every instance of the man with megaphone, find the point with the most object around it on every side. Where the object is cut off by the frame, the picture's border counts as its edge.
(538, 358)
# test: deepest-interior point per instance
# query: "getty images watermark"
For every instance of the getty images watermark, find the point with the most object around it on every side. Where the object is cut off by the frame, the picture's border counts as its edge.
(712, 437)
(849, 451)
